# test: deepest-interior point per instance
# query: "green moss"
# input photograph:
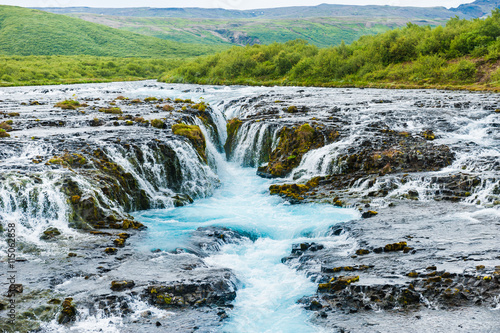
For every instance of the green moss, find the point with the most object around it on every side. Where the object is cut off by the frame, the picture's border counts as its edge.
(293, 144)
(3, 133)
(69, 104)
(395, 247)
(150, 99)
(168, 107)
(68, 312)
(194, 134)
(233, 125)
(129, 123)
(157, 123)
(112, 110)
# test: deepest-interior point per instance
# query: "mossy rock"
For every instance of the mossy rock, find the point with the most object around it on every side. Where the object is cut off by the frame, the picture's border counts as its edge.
(121, 285)
(337, 284)
(293, 144)
(3, 133)
(68, 312)
(233, 125)
(168, 107)
(70, 104)
(395, 247)
(111, 110)
(195, 136)
(157, 123)
(5, 126)
(50, 233)
(428, 135)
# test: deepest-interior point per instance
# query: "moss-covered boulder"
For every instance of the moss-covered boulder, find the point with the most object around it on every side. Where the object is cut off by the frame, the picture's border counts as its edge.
(70, 105)
(68, 312)
(50, 233)
(293, 144)
(195, 136)
(233, 125)
(3, 133)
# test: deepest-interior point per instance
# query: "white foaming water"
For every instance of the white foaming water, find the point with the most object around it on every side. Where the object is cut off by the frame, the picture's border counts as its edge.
(266, 300)
(251, 143)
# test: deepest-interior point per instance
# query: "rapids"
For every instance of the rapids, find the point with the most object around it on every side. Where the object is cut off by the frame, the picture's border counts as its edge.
(227, 191)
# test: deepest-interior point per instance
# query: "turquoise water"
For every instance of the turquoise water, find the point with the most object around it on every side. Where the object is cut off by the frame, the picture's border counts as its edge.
(268, 291)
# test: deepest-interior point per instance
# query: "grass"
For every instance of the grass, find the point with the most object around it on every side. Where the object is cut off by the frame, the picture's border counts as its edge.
(319, 31)
(26, 31)
(43, 70)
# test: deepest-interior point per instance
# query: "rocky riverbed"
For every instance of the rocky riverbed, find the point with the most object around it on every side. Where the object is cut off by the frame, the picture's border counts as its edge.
(415, 173)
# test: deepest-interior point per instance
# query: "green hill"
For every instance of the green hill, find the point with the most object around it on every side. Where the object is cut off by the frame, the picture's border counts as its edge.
(32, 32)
(322, 32)
(464, 53)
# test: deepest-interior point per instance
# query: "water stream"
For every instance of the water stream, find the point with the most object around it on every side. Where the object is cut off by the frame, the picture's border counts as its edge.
(229, 194)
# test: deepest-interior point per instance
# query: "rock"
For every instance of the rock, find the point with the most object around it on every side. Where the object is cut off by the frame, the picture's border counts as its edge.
(395, 247)
(68, 312)
(110, 250)
(233, 125)
(369, 214)
(50, 233)
(218, 292)
(121, 285)
(361, 252)
(293, 144)
(339, 283)
(16, 288)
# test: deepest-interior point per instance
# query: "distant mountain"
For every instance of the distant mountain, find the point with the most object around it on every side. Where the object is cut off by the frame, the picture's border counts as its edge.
(26, 31)
(323, 25)
(478, 8)
(324, 10)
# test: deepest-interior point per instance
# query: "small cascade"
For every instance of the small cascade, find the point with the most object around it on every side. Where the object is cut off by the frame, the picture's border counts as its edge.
(33, 203)
(321, 161)
(255, 142)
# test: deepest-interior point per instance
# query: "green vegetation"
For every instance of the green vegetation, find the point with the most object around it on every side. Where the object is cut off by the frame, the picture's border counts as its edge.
(195, 135)
(33, 32)
(3, 133)
(320, 31)
(39, 70)
(112, 110)
(69, 105)
(157, 123)
(461, 54)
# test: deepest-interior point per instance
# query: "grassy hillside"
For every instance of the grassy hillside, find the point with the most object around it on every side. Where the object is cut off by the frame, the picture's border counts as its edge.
(322, 32)
(463, 53)
(33, 32)
(323, 10)
(40, 70)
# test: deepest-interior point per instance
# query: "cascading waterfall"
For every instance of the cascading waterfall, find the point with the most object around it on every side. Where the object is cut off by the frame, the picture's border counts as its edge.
(230, 195)
(255, 141)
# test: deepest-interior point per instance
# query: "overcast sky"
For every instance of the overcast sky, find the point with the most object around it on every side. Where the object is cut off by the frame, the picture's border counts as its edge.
(229, 4)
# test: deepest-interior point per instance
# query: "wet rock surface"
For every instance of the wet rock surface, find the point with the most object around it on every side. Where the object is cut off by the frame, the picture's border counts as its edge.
(83, 163)
(421, 167)
(425, 179)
